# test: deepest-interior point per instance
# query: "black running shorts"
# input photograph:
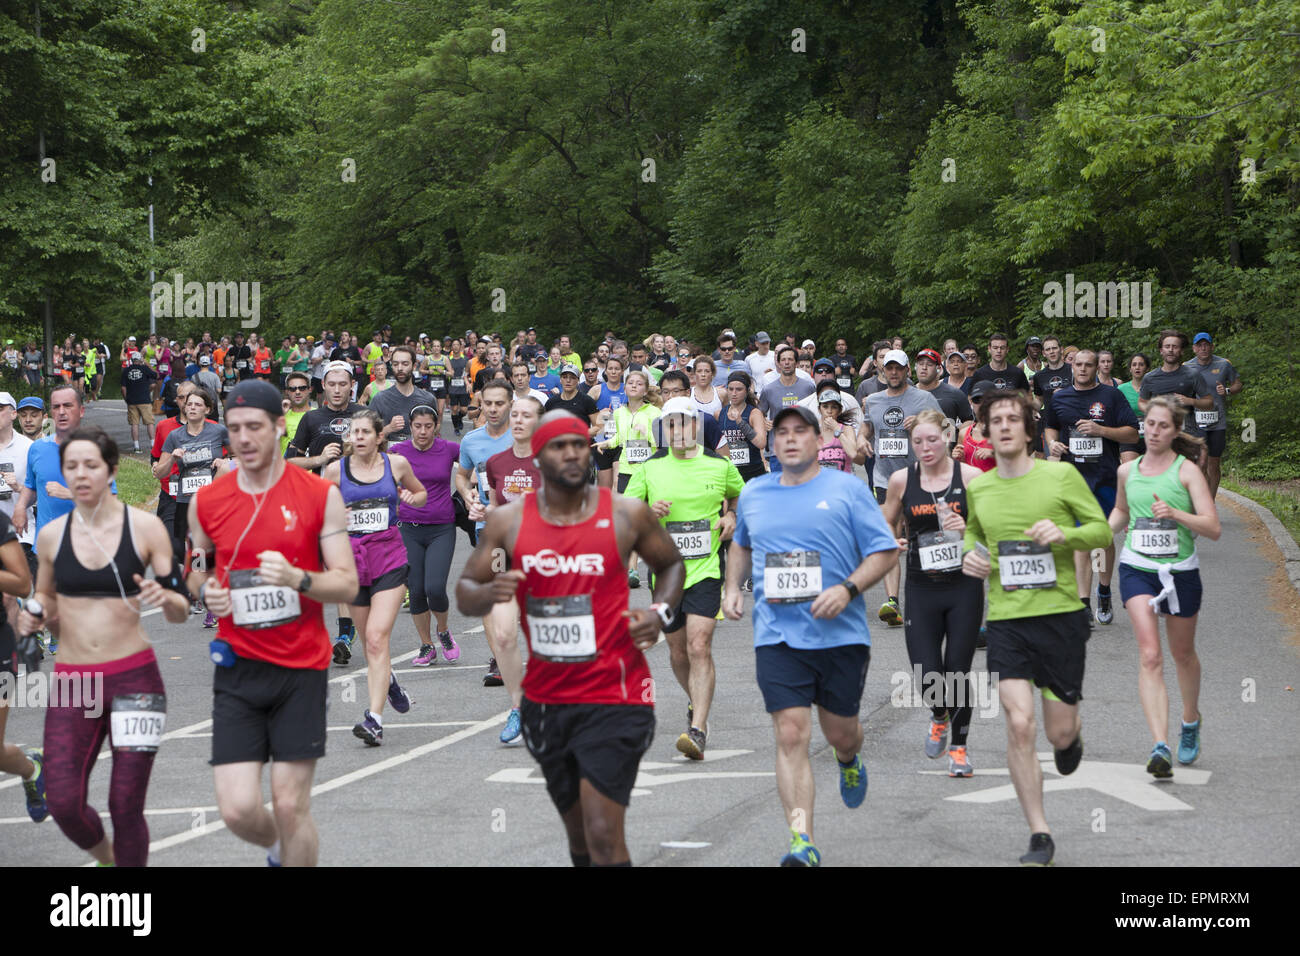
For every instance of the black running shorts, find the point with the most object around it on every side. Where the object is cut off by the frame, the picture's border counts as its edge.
(600, 743)
(1048, 650)
(262, 711)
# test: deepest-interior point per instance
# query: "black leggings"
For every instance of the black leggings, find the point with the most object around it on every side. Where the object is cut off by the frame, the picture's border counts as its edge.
(429, 549)
(931, 613)
(180, 531)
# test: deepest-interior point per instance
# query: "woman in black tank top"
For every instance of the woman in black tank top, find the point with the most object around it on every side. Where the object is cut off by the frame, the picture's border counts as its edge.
(744, 427)
(941, 606)
(91, 584)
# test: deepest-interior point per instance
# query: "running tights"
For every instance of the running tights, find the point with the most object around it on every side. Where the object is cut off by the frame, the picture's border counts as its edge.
(930, 614)
(429, 548)
(72, 741)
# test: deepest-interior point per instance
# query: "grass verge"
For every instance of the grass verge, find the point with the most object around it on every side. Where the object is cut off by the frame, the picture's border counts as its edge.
(136, 484)
(1281, 498)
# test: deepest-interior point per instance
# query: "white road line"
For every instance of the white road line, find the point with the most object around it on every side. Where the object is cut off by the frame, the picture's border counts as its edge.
(347, 778)
(362, 671)
(348, 727)
(104, 814)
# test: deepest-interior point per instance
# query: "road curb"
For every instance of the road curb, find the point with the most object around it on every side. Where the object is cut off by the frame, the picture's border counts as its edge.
(1281, 537)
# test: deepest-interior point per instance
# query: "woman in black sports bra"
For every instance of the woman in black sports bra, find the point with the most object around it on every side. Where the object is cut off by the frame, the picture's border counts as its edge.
(92, 587)
(942, 607)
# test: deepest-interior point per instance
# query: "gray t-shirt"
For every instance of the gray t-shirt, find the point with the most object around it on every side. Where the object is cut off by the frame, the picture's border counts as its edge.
(890, 441)
(776, 396)
(391, 402)
(1184, 382)
(1218, 372)
(952, 402)
(869, 386)
(207, 379)
(194, 456)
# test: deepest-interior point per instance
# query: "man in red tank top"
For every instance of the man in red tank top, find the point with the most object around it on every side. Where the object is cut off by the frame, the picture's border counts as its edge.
(588, 707)
(261, 535)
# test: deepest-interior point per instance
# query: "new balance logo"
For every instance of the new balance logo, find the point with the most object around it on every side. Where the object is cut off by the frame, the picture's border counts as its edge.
(823, 506)
(602, 523)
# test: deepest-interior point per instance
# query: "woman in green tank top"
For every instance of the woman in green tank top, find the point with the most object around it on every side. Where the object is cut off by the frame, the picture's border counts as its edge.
(1163, 504)
(1137, 367)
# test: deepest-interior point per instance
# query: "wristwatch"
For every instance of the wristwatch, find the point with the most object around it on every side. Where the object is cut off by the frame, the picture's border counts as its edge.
(853, 588)
(305, 584)
(664, 611)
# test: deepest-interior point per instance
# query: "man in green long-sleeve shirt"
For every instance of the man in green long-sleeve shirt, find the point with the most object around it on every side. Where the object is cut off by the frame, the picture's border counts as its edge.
(1029, 516)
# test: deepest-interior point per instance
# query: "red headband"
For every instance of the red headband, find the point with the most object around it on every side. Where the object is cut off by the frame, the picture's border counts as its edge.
(563, 425)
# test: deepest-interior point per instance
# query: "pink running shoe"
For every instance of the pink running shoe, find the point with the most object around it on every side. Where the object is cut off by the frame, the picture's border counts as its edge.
(450, 649)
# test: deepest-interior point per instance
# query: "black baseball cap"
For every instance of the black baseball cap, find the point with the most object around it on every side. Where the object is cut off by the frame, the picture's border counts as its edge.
(807, 414)
(255, 393)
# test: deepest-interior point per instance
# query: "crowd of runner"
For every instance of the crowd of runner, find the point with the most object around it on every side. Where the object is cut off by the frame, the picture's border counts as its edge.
(332, 471)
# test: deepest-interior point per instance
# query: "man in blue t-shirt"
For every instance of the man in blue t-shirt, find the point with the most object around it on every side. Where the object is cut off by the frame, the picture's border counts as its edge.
(470, 478)
(43, 480)
(542, 378)
(815, 540)
(1084, 424)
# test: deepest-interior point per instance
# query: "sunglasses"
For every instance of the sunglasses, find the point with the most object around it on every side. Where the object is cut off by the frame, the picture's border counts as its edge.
(297, 388)
(591, 371)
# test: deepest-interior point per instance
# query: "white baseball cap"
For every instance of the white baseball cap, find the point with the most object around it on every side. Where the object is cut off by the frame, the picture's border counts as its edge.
(7, 399)
(808, 342)
(898, 356)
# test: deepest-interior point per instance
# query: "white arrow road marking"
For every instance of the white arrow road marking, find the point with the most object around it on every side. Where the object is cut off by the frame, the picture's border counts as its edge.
(1128, 782)
(645, 780)
(683, 845)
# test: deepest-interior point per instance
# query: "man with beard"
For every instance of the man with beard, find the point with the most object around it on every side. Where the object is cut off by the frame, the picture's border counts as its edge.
(394, 404)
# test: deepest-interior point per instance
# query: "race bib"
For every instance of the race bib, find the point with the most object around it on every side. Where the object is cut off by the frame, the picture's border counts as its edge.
(192, 483)
(1142, 427)
(1024, 565)
(7, 480)
(843, 381)
(197, 456)
(173, 487)
(561, 629)
(792, 577)
(480, 469)
(1155, 537)
(636, 451)
(136, 722)
(457, 383)
(241, 364)
(1205, 418)
(436, 384)
(256, 605)
(368, 516)
(1084, 446)
(939, 550)
(739, 454)
(891, 446)
(694, 539)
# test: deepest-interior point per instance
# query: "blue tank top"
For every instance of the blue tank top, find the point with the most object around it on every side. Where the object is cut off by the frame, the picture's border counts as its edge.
(365, 498)
(611, 397)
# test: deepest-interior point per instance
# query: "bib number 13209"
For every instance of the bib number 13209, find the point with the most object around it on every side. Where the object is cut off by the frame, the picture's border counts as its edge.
(792, 577)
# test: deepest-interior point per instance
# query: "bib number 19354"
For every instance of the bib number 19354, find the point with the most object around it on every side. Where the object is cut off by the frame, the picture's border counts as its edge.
(792, 577)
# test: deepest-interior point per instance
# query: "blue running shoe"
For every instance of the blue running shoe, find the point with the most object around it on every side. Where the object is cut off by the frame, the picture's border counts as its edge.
(512, 728)
(369, 730)
(35, 787)
(802, 852)
(1189, 742)
(853, 782)
(398, 698)
(1161, 763)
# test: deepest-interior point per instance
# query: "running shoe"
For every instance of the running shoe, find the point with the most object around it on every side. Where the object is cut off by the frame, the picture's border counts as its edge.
(51, 643)
(853, 782)
(196, 607)
(1067, 760)
(747, 584)
(399, 698)
(209, 620)
(1041, 850)
(691, 743)
(450, 649)
(369, 730)
(891, 614)
(937, 742)
(1161, 762)
(1104, 613)
(512, 728)
(342, 650)
(958, 762)
(493, 677)
(1189, 742)
(271, 862)
(690, 715)
(633, 579)
(802, 852)
(428, 655)
(37, 808)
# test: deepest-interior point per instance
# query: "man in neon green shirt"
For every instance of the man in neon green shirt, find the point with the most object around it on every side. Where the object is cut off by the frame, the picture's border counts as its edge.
(1029, 516)
(374, 352)
(297, 389)
(687, 487)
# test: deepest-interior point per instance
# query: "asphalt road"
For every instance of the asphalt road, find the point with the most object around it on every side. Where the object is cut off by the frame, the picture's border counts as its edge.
(443, 791)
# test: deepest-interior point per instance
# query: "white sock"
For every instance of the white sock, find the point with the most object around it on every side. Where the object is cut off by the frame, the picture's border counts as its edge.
(273, 854)
(378, 718)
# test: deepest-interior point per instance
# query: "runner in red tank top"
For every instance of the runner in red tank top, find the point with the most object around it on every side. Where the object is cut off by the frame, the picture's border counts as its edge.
(260, 535)
(588, 707)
